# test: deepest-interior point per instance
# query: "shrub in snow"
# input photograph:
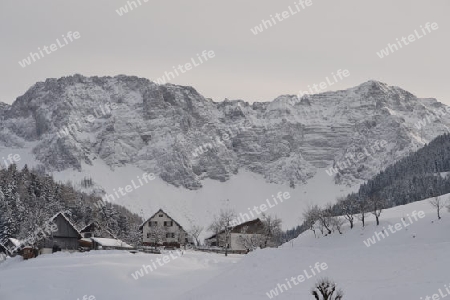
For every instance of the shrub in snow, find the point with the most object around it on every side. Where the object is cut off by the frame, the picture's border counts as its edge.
(325, 289)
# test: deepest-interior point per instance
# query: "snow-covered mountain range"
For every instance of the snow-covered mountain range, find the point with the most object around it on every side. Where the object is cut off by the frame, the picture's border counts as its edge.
(80, 126)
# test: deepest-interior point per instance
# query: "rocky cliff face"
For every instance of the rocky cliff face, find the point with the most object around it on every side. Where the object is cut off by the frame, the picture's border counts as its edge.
(176, 133)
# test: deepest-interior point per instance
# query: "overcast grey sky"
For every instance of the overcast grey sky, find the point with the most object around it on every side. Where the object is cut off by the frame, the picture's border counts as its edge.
(297, 52)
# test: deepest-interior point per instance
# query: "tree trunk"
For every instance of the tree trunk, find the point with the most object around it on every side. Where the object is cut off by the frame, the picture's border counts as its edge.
(226, 244)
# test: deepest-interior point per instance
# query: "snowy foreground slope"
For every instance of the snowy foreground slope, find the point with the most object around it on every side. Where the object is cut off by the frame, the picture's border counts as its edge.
(409, 264)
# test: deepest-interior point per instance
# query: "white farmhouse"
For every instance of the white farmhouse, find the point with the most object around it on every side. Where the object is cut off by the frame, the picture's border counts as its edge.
(161, 230)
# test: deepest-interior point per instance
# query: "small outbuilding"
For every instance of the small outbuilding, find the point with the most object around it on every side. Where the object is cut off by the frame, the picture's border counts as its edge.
(96, 237)
(109, 244)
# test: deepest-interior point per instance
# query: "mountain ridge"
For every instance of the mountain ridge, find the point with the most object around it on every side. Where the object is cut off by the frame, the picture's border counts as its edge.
(157, 128)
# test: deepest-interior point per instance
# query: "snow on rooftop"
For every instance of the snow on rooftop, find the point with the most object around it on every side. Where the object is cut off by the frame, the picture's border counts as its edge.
(105, 242)
(16, 242)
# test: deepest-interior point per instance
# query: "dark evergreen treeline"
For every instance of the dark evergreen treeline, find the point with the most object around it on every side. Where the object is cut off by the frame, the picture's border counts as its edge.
(293, 233)
(29, 198)
(413, 178)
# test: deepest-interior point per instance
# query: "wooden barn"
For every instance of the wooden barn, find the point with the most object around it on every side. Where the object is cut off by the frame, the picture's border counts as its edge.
(65, 238)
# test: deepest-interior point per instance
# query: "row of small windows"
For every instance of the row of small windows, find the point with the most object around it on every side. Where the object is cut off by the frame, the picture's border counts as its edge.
(155, 223)
(168, 235)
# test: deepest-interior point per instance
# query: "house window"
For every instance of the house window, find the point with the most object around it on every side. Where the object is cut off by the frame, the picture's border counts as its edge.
(161, 215)
(152, 223)
(148, 235)
(168, 223)
(170, 235)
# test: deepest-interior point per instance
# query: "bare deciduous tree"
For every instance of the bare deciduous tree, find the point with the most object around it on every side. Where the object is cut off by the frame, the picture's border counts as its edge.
(325, 217)
(251, 241)
(271, 230)
(195, 232)
(310, 217)
(376, 205)
(438, 203)
(363, 206)
(325, 289)
(336, 223)
(223, 223)
(157, 234)
(216, 227)
(349, 208)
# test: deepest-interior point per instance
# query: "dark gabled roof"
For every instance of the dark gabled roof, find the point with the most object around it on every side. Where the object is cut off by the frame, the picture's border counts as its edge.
(254, 226)
(68, 221)
(160, 210)
(88, 228)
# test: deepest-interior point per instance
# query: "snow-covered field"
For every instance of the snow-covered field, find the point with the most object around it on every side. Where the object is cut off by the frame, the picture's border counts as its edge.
(107, 275)
(408, 264)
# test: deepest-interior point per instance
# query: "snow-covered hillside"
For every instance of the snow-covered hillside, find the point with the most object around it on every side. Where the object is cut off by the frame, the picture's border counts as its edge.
(197, 207)
(408, 264)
